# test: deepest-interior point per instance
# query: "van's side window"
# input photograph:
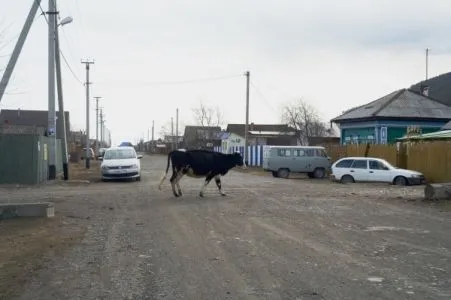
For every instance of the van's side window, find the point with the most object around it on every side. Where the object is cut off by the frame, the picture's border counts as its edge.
(299, 153)
(310, 152)
(321, 153)
(283, 152)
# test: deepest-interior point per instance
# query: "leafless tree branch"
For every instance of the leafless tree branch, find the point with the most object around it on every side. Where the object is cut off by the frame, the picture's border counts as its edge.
(304, 118)
(208, 116)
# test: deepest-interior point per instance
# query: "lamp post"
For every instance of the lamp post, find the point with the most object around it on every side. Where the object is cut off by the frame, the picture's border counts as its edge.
(61, 121)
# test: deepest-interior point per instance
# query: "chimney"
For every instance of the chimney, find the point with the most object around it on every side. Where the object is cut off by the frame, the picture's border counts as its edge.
(18, 112)
(252, 126)
(425, 91)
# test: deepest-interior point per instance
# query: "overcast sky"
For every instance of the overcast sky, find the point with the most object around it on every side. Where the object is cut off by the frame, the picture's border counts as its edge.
(333, 54)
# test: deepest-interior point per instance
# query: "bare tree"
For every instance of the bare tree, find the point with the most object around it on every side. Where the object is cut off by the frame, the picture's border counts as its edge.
(208, 116)
(165, 130)
(304, 118)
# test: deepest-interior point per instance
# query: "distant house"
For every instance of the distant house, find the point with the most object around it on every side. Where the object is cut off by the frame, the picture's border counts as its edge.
(258, 134)
(438, 88)
(323, 141)
(38, 118)
(202, 137)
(389, 118)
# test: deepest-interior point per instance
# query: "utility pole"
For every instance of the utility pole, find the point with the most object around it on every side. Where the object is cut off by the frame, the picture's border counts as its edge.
(177, 128)
(87, 63)
(246, 126)
(51, 113)
(18, 48)
(153, 129)
(97, 124)
(172, 132)
(101, 126)
(61, 122)
(427, 62)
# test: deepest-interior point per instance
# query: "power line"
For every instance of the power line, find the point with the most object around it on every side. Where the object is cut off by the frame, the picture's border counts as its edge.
(262, 97)
(178, 81)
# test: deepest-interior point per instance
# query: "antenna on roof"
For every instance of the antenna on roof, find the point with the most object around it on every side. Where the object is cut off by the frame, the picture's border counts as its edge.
(427, 62)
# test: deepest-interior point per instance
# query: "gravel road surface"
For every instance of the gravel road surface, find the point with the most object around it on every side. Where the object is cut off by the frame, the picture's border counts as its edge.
(269, 238)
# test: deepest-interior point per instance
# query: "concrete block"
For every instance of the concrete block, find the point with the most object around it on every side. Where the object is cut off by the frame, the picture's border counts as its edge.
(14, 210)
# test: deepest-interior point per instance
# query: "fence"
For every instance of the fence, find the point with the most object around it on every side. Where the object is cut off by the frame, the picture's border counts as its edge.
(24, 158)
(254, 153)
(433, 159)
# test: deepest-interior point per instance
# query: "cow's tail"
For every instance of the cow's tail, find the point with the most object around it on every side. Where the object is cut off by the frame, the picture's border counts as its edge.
(163, 177)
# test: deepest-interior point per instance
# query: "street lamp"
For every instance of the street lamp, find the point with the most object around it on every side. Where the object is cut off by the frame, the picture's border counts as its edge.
(62, 118)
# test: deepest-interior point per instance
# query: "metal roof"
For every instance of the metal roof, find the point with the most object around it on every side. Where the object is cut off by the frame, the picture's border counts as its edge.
(403, 104)
(443, 134)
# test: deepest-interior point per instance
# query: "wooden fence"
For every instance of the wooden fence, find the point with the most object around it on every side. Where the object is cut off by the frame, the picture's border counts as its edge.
(433, 159)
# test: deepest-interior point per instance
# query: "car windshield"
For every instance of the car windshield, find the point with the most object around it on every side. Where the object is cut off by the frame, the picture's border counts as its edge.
(120, 154)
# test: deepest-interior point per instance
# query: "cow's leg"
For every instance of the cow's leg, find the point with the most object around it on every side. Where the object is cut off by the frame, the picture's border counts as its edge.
(207, 181)
(175, 173)
(218, 184)
(177, 179)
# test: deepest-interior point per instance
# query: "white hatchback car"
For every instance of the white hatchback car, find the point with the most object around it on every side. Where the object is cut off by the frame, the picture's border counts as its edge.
(121, 163)
(371, 169)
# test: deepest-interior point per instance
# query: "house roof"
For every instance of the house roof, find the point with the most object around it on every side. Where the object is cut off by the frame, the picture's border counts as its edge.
(260, 129)
(28, 117)
(438, 135)
(439, 88)
(401, 104)
(193, 130)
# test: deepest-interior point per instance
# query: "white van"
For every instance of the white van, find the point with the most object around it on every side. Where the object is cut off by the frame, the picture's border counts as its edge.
(283, 160)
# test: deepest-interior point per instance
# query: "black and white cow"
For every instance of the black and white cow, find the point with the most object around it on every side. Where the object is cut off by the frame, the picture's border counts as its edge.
(200, 164)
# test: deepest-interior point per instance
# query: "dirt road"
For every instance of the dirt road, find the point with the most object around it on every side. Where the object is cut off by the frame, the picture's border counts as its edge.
(269, 238)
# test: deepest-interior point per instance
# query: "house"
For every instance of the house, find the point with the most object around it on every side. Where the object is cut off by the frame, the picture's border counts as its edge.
(258, 134)
(389, 118)
(202, 137)
(38, 118)
(323, 141)
(173, 138)
(438, 88)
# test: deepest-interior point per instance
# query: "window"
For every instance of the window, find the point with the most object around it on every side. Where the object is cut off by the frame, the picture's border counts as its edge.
(310, 152)
(299, 153)
(377, 165)
(119, 154)
(284, 152)
(345, 163)
(360, 164)
(321, 153)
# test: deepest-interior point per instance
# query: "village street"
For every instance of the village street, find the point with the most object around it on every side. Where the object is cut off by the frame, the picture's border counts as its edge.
(269, 238)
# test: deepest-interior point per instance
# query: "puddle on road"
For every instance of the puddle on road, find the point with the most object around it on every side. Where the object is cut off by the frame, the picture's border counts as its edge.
(375, 279)
(391, 228)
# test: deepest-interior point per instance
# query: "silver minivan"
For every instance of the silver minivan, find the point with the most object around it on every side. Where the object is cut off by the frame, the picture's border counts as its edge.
(283, 160)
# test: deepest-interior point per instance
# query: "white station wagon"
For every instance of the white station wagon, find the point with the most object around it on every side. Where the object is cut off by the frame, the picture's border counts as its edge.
(371, 169)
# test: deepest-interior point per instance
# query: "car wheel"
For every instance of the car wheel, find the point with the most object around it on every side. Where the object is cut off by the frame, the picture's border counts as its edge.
(283, 173)
(319, 173)
(274, 174)
(400, 180)
(310, 175)
(347, 179)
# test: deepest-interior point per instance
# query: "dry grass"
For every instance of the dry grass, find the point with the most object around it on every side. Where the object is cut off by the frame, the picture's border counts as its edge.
(26, 242)
(78, 171)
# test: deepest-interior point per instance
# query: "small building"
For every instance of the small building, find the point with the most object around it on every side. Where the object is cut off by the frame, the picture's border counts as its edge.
(258, 134)
(390, 117)
(202, 137)
(38, 118)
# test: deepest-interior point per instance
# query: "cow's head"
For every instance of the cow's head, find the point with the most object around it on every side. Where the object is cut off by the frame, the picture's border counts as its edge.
(237, 159)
